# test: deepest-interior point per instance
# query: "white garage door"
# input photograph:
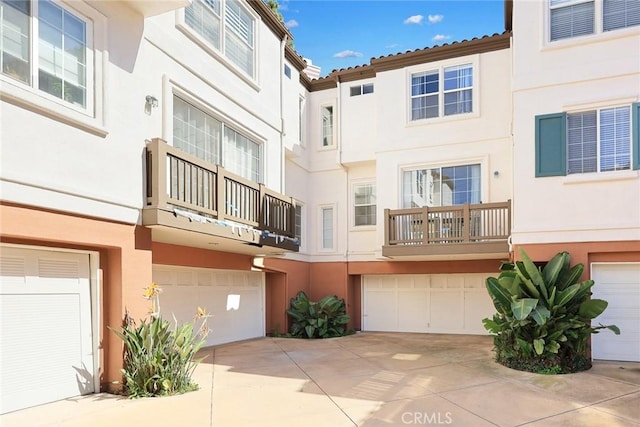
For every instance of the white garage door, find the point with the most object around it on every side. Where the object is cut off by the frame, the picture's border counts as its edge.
(45, 340)
(234, 298)
(437, 303)
(619, 285)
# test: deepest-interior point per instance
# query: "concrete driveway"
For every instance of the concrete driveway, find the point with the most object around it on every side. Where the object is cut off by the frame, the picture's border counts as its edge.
(368, 379)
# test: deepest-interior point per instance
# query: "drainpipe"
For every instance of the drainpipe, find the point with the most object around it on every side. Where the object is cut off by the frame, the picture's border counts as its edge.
(283, 44)
(344, 168)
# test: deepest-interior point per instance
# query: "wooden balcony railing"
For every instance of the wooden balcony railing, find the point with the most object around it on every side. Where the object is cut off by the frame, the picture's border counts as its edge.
(487, 224)
(177, 179)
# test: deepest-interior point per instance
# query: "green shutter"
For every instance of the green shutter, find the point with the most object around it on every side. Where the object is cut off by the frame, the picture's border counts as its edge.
(551, 145)
(635, 130)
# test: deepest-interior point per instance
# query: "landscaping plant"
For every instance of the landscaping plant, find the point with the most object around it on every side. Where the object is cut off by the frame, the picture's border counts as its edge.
(159, 360)
(323, 319)
(543, 319)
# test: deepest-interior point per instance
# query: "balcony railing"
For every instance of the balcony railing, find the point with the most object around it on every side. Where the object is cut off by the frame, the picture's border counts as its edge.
(179, 180)
(477, 228)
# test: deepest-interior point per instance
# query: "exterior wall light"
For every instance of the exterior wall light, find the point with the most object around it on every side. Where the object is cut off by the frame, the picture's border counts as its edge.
(152, 101)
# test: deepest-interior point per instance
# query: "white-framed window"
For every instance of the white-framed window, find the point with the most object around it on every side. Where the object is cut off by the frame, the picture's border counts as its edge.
(298, 223)
(199, 133)
(364, 204)
(287, 71)
(446, 91)
(574, 18)
(599, 140)
(328, 227)
(301, 120)
(362, 89)
(326, 112)
(226, 26)
(441, 186)
(48, 46)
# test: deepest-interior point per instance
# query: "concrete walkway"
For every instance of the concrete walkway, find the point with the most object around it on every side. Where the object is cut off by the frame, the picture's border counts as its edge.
(367, 379)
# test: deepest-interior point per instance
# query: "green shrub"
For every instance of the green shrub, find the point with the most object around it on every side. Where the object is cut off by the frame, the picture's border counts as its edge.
(324, 319)
(544, 316)
(159, 360)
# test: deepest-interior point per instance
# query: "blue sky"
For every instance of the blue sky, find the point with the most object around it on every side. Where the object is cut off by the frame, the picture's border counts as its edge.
(338, 34)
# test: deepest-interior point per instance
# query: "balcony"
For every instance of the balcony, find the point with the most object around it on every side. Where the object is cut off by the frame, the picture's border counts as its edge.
(195, 203)
(478, 231)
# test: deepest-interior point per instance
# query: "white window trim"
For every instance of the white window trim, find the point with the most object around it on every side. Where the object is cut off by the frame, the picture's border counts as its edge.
(361, 86)
(303, 226)
(91, 118)
(352, 205)
(219, 55)
(320, 222)
(594, 176)
(334, 132)
(302, 120)
(473, 60)
(171, 88)
(485, 190)
(598, 35)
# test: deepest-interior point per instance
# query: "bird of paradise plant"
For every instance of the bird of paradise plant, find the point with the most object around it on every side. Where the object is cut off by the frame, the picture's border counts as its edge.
(160, 359)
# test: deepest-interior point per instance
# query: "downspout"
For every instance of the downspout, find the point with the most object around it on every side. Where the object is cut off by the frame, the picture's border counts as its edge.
(283, 44)
(346, 185)
(344, 168)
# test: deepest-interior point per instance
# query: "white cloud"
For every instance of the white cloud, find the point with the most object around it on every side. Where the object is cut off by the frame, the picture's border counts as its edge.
(440, 37)
(415, 19)
(291, 23)
(347, 54)
(392, 45)
(434, 19)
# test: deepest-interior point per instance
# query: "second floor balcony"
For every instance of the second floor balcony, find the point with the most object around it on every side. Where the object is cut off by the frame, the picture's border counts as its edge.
(469, 231)
(195, 203)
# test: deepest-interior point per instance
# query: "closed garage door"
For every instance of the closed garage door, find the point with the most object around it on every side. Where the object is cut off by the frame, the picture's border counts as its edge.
(46, 341)
(619, 285)
(234, 298)
(438, 303)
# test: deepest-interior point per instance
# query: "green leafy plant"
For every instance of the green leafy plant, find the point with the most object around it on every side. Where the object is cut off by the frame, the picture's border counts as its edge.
(160, 360)
(323, 319)
(543, 319)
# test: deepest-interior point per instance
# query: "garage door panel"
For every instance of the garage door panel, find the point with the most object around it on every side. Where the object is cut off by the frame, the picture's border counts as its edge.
(233, 298)
(437, 303)
(445, 309)
(381, 319)
(477, 306)
(46, 339)
(414, 316)
(619, 285)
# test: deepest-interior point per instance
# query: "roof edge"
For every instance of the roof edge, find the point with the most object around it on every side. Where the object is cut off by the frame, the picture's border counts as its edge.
(445, 51)
(270, 19)
(295, 59)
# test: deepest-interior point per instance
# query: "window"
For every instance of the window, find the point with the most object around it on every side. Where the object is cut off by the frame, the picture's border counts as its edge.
(197, 133)
(327, 227)
(620, 14)
(298, 225)
(227, 27)
(599, 140)
(361, 89)
(287, 71)
(430, 99)
(573, 18)
(327, 125)
(445, 186)
(364, 204)
(300, 118)
(57, 55)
